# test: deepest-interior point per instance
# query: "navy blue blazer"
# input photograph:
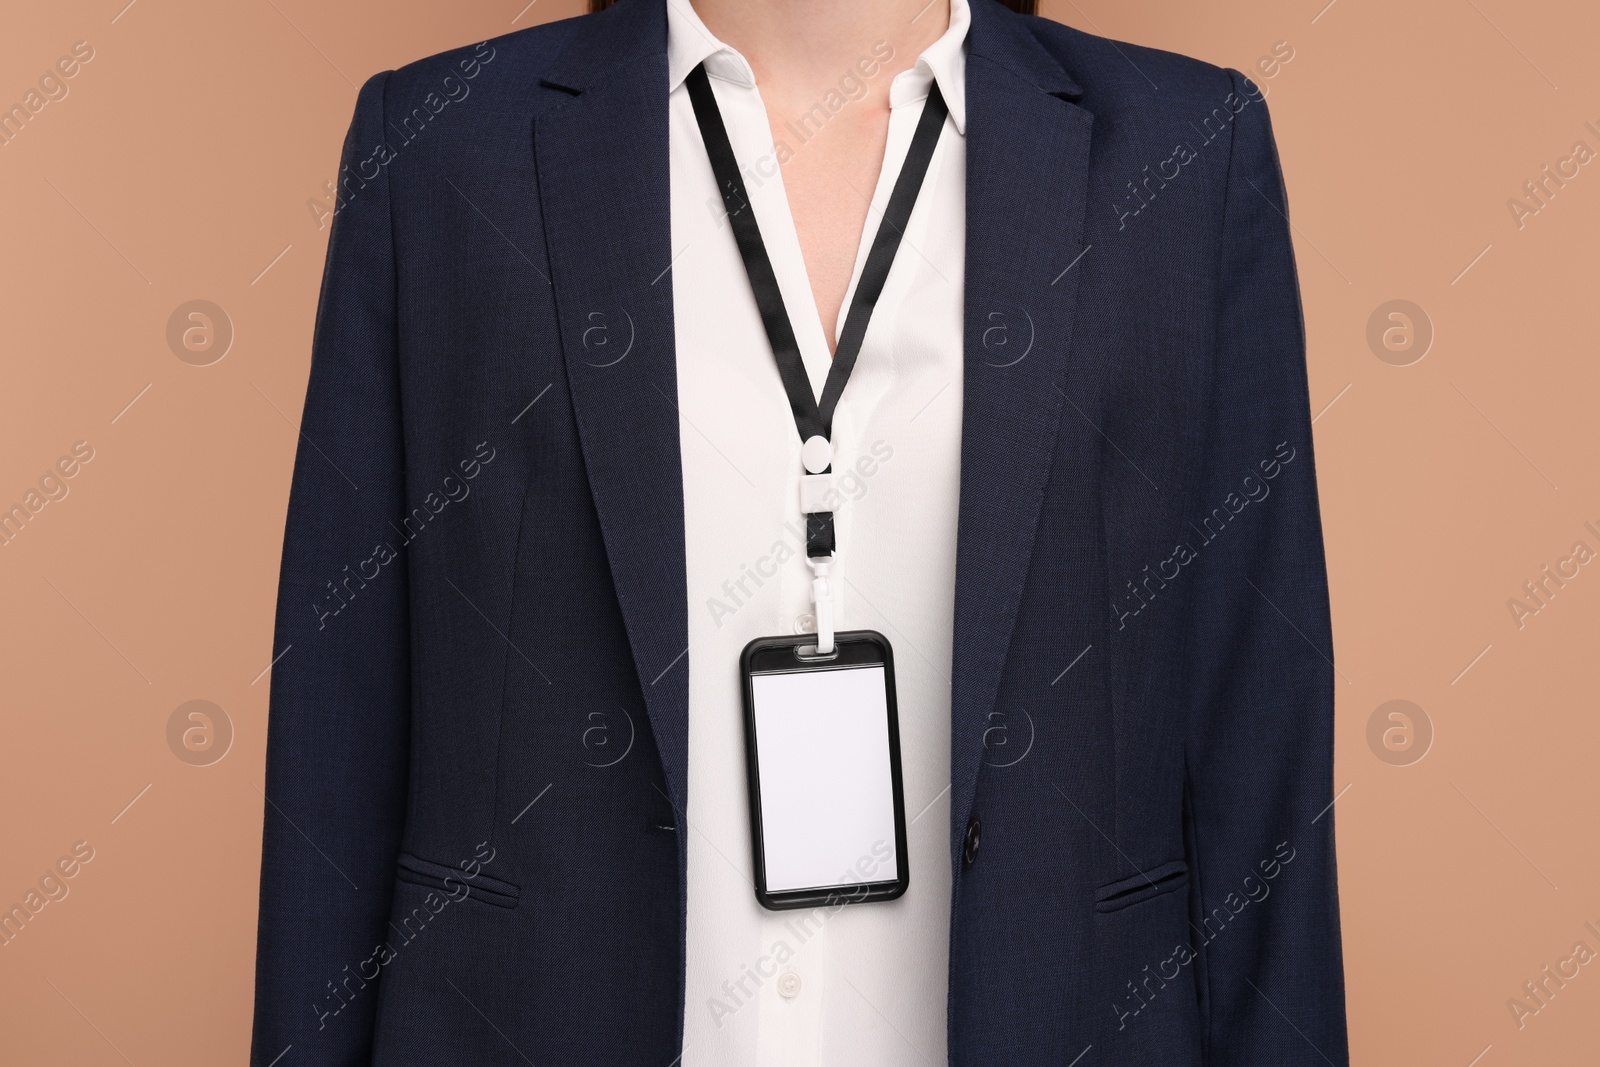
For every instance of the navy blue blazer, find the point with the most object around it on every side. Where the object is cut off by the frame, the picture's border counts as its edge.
(484, 565)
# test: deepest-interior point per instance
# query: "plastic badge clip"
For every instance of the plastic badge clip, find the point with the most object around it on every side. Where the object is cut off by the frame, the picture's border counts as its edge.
(822, 600)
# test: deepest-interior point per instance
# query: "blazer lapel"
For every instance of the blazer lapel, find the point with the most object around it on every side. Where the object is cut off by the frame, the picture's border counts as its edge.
(1027, 171)
(601, 152)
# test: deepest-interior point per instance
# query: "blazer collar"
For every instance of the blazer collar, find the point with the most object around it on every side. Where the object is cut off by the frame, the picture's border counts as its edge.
(632, 29)
(1002, 37)
(603, 42)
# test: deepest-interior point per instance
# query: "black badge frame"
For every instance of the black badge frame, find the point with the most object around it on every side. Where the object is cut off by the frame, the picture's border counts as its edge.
(854, 648)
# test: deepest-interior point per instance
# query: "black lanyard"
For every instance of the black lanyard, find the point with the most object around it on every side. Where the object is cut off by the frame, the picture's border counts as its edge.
(813, 419)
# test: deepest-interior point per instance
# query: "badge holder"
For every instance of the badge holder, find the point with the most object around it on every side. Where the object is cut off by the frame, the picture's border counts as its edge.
(822, 746)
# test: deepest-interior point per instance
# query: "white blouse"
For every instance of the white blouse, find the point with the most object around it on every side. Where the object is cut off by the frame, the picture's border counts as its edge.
(860, 984)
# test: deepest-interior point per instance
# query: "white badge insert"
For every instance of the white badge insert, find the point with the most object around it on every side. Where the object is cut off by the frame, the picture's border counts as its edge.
(827, 795)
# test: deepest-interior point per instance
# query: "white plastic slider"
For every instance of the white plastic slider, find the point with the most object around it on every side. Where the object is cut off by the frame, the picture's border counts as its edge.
(822, 601)
(816, 493)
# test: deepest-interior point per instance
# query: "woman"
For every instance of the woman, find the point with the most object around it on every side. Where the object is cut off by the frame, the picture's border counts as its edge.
(806, 550)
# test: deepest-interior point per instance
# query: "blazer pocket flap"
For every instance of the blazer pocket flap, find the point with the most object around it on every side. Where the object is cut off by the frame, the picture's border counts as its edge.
(1155, 882)
(456, 882)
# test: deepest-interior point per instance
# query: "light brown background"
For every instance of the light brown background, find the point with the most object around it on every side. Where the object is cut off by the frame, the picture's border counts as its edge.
(179, 167)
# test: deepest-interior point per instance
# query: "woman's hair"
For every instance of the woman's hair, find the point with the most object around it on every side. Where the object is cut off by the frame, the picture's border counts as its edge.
(1026, 7)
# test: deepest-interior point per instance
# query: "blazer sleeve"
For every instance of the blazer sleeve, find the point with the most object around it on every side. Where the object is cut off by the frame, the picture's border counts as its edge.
(1259, 749)
(339, 720)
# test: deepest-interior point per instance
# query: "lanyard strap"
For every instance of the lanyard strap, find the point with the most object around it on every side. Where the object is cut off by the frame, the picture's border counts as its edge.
(813, 419)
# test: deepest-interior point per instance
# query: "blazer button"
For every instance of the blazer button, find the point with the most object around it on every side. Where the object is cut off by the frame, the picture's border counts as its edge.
(969, 851)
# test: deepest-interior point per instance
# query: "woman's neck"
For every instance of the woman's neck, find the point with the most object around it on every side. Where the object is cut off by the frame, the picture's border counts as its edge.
(824, 68)
(800, 49)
